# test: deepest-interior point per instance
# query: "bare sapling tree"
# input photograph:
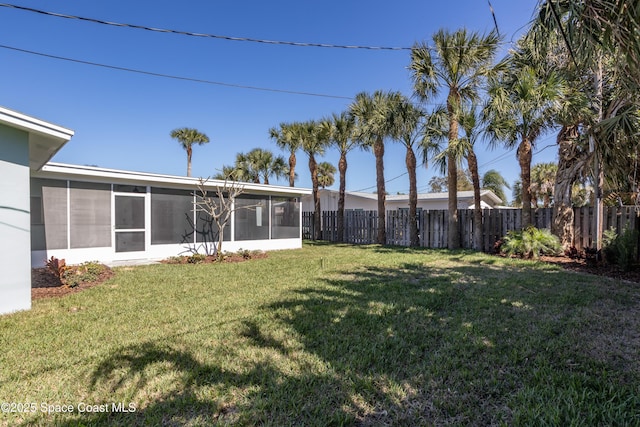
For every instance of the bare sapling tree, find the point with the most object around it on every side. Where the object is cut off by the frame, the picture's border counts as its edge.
(219, 207)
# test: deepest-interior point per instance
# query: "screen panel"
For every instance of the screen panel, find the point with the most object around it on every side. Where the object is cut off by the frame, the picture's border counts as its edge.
(90, 214)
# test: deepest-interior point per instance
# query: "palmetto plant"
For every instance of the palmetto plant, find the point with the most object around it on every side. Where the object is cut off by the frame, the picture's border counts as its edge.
(187, 137)
(530, 243)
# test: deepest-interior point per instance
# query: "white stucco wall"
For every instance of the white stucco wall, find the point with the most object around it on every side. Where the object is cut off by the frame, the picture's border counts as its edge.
(15, 240)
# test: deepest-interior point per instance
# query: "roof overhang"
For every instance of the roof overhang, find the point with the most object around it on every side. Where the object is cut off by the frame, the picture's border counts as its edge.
(95, 174)
(45, 139)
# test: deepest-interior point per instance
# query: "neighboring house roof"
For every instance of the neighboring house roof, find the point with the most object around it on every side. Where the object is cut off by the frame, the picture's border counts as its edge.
(45, 139)
(93, 173)
(422, 196)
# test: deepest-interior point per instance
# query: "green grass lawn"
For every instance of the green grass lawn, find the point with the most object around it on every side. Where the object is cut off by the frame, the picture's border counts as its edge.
(330, 335)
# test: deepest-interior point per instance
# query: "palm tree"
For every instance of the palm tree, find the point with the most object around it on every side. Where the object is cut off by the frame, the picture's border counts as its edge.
(187, 137)
(266, 165)
(589, 26)
(288, 138)
(342, 127)
(460, 64)
(494, 181)
(521, 107)
(406, 127)
(325, 174)
(227, 173)
(315, 139)
(543, 178)
(470, 124)
(372, 115)
(255, 165)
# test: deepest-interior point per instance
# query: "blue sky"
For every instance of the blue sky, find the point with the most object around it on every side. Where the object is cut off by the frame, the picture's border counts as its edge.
(122, 120)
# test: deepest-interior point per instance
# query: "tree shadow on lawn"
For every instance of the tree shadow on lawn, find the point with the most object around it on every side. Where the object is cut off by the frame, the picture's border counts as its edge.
(422, 345)
(412, 345)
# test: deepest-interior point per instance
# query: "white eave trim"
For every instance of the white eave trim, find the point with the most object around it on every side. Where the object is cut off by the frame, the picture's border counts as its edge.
(66, 171)
(31, 124)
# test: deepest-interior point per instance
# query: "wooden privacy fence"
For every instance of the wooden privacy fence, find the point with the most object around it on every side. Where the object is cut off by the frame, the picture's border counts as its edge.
(360, 227)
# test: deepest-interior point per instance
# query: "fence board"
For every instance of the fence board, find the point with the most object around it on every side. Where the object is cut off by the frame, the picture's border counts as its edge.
(360, 227)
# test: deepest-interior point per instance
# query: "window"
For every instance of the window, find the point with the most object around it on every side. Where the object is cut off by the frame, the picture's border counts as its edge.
(251, 218)
(285, 218)
(171, 216)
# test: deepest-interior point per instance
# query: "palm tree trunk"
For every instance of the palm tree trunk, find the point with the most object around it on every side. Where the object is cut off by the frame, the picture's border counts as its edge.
(524, 158)
(313, 168)
(453, 102)
(410, 160)
(378, 151)
(472, 161)
(571, 162)
(292, 169)
(342, 167)
(189, 153)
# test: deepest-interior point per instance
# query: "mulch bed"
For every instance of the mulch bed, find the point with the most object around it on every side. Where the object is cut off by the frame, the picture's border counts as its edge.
(46, 285)
(600, 269)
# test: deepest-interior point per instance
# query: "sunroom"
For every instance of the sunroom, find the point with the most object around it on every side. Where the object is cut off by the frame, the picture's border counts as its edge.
(85, 213)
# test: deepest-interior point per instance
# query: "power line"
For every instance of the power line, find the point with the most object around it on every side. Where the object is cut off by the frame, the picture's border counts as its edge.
(215, 36)
(387, 181)
(205, 35)
(169, 76)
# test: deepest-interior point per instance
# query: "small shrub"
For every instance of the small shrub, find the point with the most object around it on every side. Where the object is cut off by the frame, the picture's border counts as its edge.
(620, 249)
(196, 258)
(58, 267)
(86, 272)
(245, 253)
(608, 244)
(530, 243)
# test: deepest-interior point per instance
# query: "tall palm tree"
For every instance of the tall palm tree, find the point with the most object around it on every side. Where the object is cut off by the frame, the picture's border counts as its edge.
(288, 138)
(459, 62)
(187, 137)
(342, 128)
(494, 181)
(372, 115)
(521, 107)
(470, 124)
(406, 128)
(326, 173)
(315, 138)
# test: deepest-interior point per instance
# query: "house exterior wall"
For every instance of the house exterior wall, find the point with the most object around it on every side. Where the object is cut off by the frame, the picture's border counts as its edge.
(15, 246)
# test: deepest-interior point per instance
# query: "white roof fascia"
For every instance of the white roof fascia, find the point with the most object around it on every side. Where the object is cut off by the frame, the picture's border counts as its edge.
(45, 139)
(66, 171)
(31, 124)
